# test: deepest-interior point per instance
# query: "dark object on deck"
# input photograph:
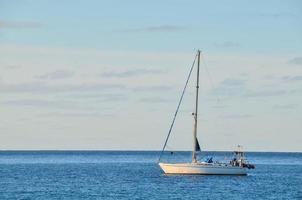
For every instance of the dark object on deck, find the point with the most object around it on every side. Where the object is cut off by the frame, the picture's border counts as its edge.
(249, 166)
(209, 160)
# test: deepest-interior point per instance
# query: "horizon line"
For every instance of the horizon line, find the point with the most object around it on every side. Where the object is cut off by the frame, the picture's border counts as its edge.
(120, 150)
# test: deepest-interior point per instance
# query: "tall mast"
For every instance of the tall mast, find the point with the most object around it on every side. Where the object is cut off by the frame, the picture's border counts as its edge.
(196, 111)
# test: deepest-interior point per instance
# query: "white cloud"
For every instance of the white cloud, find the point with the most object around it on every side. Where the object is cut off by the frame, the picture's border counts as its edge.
(59, 74)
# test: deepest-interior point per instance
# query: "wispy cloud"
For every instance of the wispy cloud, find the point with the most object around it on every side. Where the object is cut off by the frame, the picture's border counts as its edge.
(283, 79)
(154, 100)
(296, 61)
(59, 74)
(99, 97)
(238, 87)
(292, 78)
(131, 73)
(233, 82)
(286, 106)
(39, 103)
(236, 116)
(161, 28)
(229, 87)
(295, 91)
(265, 93)
(53, 104)
(220, 106)
(227, 44)
(40, 87)
(11, 67)
(153, 88)
(18, 24)
(278, 15)
(77, 115)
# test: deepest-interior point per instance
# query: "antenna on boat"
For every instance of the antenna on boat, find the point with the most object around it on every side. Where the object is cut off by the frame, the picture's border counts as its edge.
(196, 111)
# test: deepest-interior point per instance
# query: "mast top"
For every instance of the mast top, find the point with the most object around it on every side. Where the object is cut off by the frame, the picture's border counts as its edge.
(195, 142)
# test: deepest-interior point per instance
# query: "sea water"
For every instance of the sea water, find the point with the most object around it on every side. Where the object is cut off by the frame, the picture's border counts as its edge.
(136, 175)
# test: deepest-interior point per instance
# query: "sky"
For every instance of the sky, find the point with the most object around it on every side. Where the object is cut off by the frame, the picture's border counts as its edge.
(107, 75)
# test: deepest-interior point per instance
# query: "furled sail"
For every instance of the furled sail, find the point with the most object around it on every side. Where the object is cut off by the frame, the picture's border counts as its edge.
(197, 148)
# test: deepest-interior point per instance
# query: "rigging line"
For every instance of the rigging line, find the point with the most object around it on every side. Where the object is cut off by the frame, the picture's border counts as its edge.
(209, 75)
(218, 98)
(180, 100)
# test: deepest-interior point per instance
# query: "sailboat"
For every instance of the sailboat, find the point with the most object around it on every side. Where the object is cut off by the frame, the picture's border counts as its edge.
(238, 165)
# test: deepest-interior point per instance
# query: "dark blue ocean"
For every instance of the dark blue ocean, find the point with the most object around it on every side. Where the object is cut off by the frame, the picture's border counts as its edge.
(135, 175)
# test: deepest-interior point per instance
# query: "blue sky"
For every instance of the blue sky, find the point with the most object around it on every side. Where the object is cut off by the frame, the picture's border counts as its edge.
(108, 74)
(254, 27)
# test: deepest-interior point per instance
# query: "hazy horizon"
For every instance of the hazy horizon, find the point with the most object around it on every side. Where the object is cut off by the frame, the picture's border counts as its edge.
(129, 150)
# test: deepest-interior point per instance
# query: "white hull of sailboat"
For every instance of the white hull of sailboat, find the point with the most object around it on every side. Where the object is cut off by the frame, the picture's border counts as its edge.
(202, 169)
